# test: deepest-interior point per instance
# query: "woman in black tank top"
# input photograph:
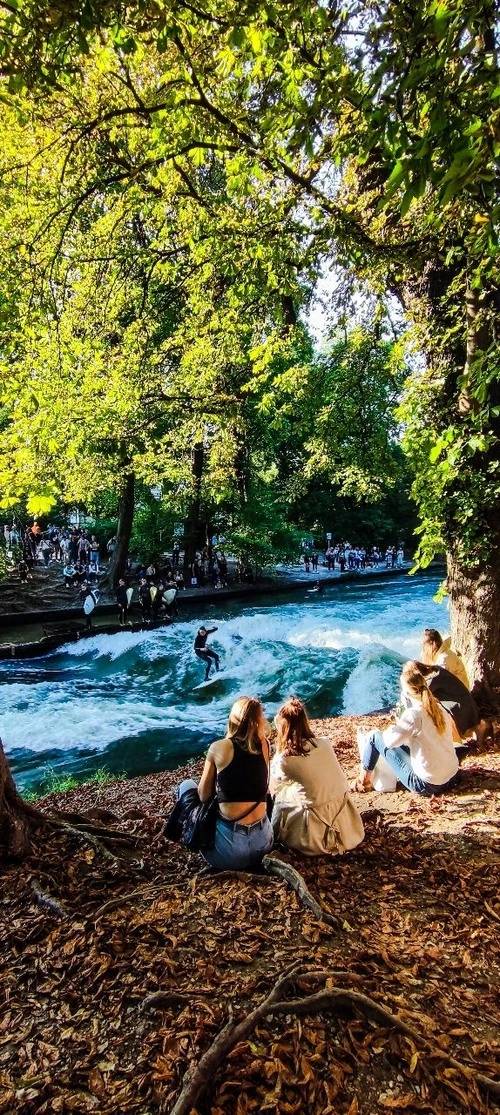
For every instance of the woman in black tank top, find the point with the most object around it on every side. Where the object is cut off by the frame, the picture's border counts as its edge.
(236, 769)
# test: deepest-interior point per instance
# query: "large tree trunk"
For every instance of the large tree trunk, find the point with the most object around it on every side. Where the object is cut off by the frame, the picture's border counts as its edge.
(194, 530)
(475, 628)
(17, 817)
(125, 520)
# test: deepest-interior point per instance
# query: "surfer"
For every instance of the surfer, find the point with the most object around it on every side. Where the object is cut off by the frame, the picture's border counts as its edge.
(90, 598)
(122, 601)
(202, 651)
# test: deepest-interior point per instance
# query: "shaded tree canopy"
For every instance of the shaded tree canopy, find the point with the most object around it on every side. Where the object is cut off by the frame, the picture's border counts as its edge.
(292, 132)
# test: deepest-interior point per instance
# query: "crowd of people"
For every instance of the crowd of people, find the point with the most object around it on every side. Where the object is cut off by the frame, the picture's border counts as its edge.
(299, 795)
(344, 557)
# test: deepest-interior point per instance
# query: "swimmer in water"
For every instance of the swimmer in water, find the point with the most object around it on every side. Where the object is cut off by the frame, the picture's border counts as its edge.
(202, 651)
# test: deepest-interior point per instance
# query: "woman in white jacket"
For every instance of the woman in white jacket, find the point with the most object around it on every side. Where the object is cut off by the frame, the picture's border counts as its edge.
(313, 810)
(419, 746)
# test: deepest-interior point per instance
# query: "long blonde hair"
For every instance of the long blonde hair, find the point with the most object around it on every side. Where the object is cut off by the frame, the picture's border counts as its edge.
(295, 735)
(415, 681)
(246, 725)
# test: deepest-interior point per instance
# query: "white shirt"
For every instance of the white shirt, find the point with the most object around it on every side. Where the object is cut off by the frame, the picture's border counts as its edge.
(433, 755)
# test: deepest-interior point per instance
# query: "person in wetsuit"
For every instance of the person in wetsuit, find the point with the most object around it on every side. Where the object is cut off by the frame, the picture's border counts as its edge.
(202, 651)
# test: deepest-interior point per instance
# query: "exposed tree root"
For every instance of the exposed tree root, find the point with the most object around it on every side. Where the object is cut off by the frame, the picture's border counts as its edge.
(160, 999)
(274, 866)
(198, 1079)
(88, 838)
(60, 821)
(47, 901)
(152, 890)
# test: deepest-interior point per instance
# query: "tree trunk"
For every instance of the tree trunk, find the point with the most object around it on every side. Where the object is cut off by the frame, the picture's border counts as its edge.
(475, 630)
(193, 538)
(17, 817)
(125, 520)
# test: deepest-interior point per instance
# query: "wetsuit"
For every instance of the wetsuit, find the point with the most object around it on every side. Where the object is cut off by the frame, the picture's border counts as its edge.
(201, 650)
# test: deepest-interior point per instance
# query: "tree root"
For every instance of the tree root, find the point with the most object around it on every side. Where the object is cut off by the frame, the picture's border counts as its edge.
(274, 866)
(151, 890)
(88, 838)
(198, 1079)
(47, 901)
(160, 999)
(95, 830)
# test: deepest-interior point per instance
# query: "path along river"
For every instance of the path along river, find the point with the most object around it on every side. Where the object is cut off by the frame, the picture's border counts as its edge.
(128, 701)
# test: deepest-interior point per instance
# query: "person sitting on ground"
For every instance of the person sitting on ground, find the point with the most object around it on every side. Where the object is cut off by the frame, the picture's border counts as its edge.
(69, 575)
(236, 768)
(313, 809)
(438, 652)
(459, 702)
(419, 747)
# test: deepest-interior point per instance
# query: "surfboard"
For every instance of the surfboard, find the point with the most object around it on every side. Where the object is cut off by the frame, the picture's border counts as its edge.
(152, 592)
(89, 603)
(211, 681)
(169, 595)
(130, 593)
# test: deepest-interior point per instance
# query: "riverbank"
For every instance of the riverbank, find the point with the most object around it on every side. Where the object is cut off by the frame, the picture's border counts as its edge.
(33, 633)
(110, 1000)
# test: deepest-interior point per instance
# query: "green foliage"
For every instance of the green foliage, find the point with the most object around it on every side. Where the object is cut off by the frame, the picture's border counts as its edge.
(197, 165)
(54, 782)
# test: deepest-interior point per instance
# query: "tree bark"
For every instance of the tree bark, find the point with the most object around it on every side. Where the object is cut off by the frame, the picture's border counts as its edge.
(17, 817)
(475, 630)
(193, 529)
(118, 561)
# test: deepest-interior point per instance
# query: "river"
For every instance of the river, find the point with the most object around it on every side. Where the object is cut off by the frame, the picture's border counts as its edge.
(128, 701)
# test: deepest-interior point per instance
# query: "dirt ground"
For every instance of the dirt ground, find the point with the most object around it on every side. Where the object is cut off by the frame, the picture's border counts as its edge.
(419, 914)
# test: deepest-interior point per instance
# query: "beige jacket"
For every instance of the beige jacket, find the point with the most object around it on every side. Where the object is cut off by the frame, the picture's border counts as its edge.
(314, 812)
(449, 660)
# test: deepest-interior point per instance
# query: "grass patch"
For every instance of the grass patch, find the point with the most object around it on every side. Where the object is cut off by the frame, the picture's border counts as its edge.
(55, 783)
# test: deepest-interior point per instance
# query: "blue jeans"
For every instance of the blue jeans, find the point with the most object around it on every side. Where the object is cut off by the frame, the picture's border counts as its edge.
(399, 760)
(237, 847)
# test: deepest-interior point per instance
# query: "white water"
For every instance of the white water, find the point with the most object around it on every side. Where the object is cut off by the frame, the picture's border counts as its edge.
(128, 701)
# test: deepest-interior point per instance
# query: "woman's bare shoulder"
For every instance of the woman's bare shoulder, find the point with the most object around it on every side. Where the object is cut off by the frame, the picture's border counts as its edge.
(221, 752)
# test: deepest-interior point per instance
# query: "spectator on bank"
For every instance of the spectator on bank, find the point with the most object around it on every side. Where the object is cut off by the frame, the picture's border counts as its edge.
(69, 574)
(236, 767)
(24, 573)
(178, 580)
(436, 651)
(419, 746)
(313, 809)
(94, 551)
(93, 572)
(122, 601)
(176, 550)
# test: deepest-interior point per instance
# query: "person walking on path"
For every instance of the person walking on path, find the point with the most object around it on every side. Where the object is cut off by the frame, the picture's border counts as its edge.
(202, 651)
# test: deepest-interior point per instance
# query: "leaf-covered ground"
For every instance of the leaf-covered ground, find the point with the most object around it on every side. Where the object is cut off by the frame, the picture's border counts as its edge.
(420, 904)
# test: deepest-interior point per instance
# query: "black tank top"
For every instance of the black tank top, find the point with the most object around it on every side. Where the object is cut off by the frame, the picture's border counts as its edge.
(245, 777)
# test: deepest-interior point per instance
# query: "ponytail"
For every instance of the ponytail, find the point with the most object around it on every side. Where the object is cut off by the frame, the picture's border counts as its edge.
(415, 681)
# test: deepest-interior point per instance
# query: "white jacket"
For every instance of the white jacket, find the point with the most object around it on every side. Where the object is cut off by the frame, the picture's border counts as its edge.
(433, 755)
